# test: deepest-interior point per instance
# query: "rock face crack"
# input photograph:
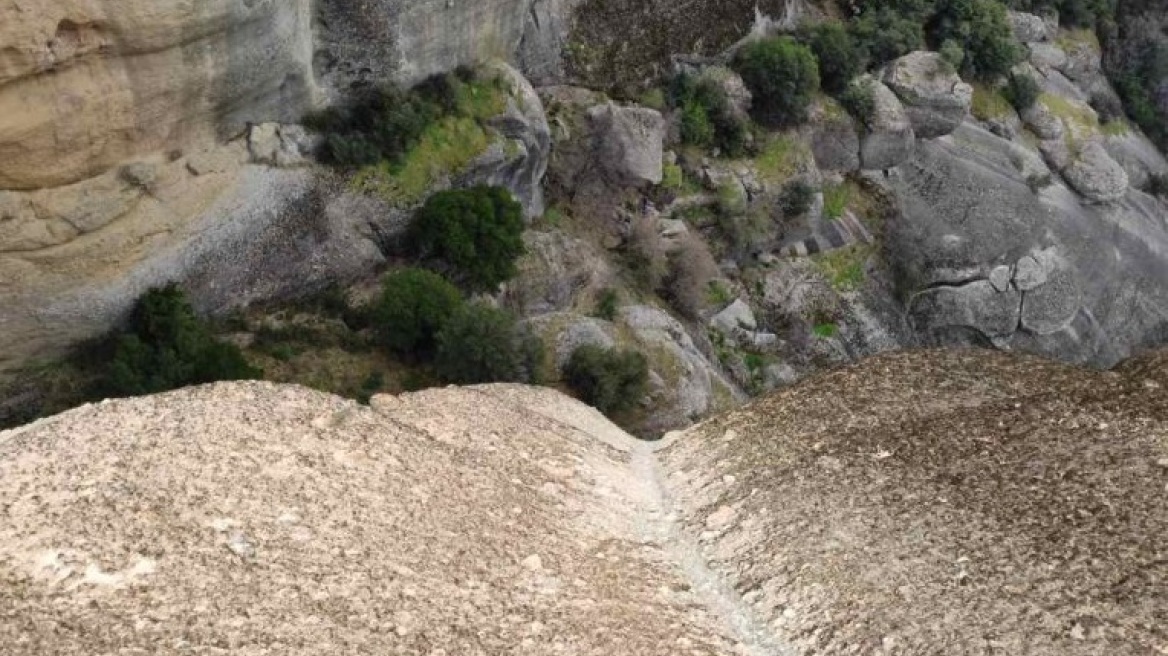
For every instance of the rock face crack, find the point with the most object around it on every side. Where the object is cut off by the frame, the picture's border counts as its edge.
(661, 526)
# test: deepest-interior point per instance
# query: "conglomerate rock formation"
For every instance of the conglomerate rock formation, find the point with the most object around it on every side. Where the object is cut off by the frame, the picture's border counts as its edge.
(960, 502)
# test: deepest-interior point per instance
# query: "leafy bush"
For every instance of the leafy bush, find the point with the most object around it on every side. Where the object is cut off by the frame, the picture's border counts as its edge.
(483, 344)
(478, 232)
(607, 304)
(782, 75)
(859, 100)
(611, 381)
(414, 306)
(1022, 91)
(707, 116)
(165, 347)
(383, 124)
(796, 198)
(884, 33)
(840, 58)
(981, 29)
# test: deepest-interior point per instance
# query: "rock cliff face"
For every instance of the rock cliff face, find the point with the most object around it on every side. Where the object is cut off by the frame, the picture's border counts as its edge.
(927, 502)
(126, 159)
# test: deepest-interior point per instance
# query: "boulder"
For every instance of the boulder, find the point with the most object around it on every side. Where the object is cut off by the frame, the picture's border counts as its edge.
(1047, 57)
(1095, 175)
(1138, 156)
(976, 305)
(834, 140)
(555, 273)
(732, 86)
(967, 208)
(734, 320)
(629, 143)
(1027, 28)
(889, 139)
(935, 98)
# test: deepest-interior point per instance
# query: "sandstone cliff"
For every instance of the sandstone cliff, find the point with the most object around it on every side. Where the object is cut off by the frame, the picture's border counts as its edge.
(928, 502)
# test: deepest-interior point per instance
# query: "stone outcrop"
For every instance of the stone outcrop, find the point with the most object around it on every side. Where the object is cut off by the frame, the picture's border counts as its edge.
(935, 98)
(914, 504)
(629, 142)
(889, 138)
(238, 223)
(972, 203)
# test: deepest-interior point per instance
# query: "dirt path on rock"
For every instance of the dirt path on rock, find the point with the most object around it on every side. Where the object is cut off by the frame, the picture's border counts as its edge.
(660, 525)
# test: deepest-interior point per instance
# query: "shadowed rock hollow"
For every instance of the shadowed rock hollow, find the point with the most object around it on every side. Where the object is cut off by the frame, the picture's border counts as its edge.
(928, 502)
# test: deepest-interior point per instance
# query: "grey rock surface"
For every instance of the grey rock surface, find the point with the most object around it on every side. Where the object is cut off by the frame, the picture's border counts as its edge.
(966, 205)
(630, 143)
(934, 96)
(889, 139)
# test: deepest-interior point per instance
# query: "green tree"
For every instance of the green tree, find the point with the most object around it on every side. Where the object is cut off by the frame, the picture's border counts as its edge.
(478, 232)
(165, 346)
(414, 306)
(982, 29)
(840, 58)
(483, 344)
(611, 381)
(782, 75)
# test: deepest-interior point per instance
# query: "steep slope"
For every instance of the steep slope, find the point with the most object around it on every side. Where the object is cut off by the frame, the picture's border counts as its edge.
(256, 519)
(943, 502)
(927, 502)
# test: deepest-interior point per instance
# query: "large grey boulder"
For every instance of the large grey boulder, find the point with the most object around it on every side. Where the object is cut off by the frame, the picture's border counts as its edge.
(889, 138)
(1027, 28)
(1088, 280)
(518, 158)
(936, 99)
(834, 139)
(630, 143)
(1095, 175)
(1138, 156)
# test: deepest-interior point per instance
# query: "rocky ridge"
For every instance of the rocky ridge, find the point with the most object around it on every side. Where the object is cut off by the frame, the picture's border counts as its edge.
(838, 515)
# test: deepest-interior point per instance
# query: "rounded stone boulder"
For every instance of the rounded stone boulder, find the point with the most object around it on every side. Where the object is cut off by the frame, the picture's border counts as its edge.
(934, 96)
(890, 138)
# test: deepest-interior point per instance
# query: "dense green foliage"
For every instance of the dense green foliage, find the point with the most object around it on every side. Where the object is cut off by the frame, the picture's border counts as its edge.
(483, 344)
(165, 346)
(708, 118)
(840, 58)
(611, 381)
(797, 197)
(982, 30)
(783, 76)
(385, 122)
(477, 233)
(859, 100)
(413, 306)
(1022, 91)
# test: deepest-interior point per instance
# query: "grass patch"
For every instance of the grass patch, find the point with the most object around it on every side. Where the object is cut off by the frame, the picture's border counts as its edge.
(844, 267)
(1070, 40)
(446, 147)
(825, 330)
(1076, 115)
(779, 159)
(1115, 128)
(989, 103)
(836, 199)
(673, 177)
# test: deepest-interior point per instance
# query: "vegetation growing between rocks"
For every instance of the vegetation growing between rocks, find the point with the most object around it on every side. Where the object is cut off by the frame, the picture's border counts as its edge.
(610, 380)
(783, 76)
(477, 233)
(165, 346)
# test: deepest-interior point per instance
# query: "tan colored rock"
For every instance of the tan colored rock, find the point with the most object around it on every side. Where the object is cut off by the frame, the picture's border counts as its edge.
(85, 86)
(926, 502)
(251, 517)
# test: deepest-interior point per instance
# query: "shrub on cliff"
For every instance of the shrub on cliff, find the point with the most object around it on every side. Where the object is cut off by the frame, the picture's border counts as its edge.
(477, 233)
(840, 58)
(483, 344)
(981, 28)
(783, 77)
(166, 346)
(414, 306)
(609, 380)
(707, 116)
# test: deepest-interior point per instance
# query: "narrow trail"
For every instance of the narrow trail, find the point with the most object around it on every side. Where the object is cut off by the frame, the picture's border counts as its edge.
(661, 525)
